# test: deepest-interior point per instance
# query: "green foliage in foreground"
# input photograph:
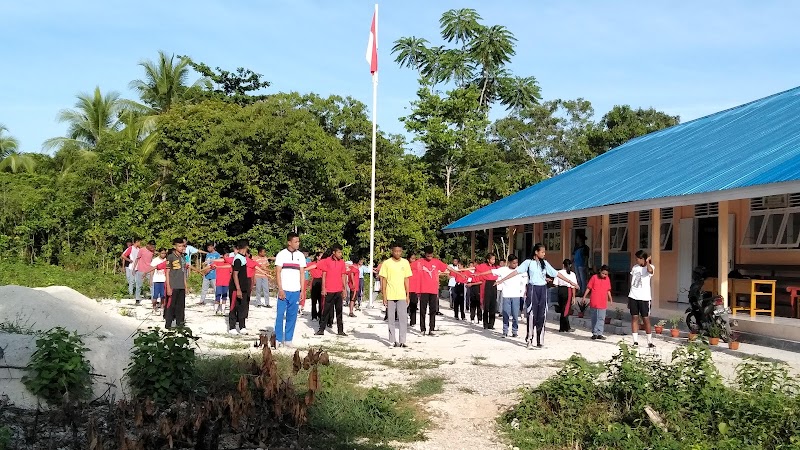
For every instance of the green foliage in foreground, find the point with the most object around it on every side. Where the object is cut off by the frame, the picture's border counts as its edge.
(59, 371)
(162, 364)
(343, 411)
(596, 406)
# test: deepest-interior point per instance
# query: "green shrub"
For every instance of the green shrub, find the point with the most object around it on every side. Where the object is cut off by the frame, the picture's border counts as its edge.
(598, 411)
(162, 364)
(58, 371)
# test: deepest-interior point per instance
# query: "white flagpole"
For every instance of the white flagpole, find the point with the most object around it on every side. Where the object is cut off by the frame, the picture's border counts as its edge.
(372, 193)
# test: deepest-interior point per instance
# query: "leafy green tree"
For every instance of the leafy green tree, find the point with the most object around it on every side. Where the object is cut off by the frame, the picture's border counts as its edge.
(239, 87)
(492, 48)
(624, 123)
(411, 52)
(15, 162)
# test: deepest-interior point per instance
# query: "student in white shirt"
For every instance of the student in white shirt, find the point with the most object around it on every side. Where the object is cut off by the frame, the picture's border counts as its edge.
(566, 295)
(513, 291)
(640, 296)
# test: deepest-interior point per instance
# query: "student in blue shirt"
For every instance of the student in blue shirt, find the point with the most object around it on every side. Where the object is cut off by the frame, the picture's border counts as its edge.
(210, 278)
(538, 269)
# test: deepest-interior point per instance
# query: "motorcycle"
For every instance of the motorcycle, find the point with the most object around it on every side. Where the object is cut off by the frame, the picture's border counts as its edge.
(706, 311)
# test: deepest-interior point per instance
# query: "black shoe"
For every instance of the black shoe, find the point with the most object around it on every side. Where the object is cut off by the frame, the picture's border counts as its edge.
(439, 313)
(601, 337)
(594, 337)
(636, 344)
(514, 335)
(269, 306)
(651, 345)
(259, 305)
(539, 345)
(395, 345)
(403, 346)
(430, 333)
(320, 332)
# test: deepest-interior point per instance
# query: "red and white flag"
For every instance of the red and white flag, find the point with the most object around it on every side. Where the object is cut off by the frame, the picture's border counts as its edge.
(372, 45)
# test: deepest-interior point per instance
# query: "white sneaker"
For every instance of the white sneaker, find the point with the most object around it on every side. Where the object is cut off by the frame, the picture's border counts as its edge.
(243, 331)
(233, 331)
(288, 344)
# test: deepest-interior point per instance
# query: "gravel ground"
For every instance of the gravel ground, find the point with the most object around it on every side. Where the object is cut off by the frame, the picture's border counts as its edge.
(483, 371)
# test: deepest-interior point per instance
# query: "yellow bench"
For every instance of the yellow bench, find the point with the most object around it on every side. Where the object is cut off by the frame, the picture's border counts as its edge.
(749, 287)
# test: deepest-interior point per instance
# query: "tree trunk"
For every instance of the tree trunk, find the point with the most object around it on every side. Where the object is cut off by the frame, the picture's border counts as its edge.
(483, 89)
(448, 170)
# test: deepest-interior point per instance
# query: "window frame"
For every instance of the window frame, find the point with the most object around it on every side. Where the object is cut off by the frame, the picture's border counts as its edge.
(774, 245)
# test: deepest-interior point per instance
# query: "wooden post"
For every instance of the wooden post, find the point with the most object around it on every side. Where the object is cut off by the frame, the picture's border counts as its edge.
(605, 242)
(490, 244)
(722, 243)
(565, 252)
(472, 244)
(655, 254)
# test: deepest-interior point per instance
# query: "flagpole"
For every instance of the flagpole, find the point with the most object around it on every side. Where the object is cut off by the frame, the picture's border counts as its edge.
(372, 192)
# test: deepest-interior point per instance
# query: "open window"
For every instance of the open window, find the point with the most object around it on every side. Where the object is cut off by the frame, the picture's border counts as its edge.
(774, 222)
(618, 232)
(665, 234)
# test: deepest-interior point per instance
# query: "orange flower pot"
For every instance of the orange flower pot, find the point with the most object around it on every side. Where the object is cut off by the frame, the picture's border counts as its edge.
(692, 336)
(713, 341)
(675, 332)
(733, 345)
(659, 330)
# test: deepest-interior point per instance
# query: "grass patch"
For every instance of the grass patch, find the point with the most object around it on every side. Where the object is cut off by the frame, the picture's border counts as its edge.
(345, 415)
(428, 386)
(126, 312)
(467, 390)
(89, 282)
(228, 345)
(412, 363)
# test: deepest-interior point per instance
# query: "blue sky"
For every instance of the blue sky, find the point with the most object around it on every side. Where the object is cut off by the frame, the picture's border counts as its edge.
(686, 58)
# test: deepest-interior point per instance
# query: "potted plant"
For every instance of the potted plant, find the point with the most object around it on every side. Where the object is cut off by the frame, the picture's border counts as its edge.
(714, 333)
(693, 333)
(733, 341)
(674, 331)
(660, 326)
(582, 308)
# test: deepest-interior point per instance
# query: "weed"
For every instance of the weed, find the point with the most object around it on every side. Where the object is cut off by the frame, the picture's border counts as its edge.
(428, 386)
(478, 360)
(126, 312)
(58, 371)
(19, 325)
(467, 390)
(162, 364)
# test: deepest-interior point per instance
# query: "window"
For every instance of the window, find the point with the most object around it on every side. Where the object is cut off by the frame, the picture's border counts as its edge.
(618, 232)
(644, 229)
(774, 222)
(706, 210)
(665, 236)
(551, 235)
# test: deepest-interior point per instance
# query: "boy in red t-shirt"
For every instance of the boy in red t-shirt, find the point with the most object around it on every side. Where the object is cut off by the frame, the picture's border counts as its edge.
(353, 276)
(600, 287)
(430, 269)
(224, 270)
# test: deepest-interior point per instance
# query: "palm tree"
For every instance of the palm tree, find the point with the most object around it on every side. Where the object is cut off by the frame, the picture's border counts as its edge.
(16, 162)
(519, 93)
(492, 48)
(411, 52)
(8, 144)
(140, 130)
(460, 25)
(164, 81)
(92, 118)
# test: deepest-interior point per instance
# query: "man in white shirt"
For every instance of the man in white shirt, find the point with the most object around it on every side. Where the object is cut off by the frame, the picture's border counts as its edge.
(451, 282)
(289, 265)
(131, 256)
(640, 296)
(513, 291)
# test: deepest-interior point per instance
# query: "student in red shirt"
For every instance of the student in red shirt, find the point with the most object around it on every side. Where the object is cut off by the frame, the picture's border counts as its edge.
(489, 290)
(223, 272)
(413, 288)
(474, 284)
(353, 275)
(600, 287)
(316, 287)
(430, 269)
(334, 277)
(459, 292)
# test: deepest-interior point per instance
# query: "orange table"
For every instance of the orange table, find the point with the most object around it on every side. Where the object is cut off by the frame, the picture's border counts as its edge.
(745, 286)
(794, 297)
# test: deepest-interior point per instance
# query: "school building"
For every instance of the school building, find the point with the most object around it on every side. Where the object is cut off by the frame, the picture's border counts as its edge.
(721, 191)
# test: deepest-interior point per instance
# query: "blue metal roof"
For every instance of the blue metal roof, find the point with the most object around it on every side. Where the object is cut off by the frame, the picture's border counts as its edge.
(754, 144)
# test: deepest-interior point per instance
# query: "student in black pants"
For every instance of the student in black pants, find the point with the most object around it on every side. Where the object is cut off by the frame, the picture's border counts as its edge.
(413, 289)
(238, 312)
(176, 285)
(475, 301)
(458, 296)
